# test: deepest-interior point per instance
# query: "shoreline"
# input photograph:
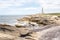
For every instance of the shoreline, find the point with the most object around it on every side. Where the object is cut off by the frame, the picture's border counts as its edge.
(31, 27)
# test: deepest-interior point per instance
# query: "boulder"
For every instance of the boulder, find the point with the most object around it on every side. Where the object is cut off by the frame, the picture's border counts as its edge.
(32, 27)
(52, 33)
(8, 32)
(40, 20)
(24, 31)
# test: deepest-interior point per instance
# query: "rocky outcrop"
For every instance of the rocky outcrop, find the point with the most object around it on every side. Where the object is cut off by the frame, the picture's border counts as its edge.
(33, 27)
(41, 20)
(50, 34)
(8, 32)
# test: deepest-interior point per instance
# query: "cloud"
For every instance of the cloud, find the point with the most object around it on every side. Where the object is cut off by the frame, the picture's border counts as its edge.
(7, 3)
(50, 3)
(53, 5)
(20, 11)
(28, 6)
(19, 7)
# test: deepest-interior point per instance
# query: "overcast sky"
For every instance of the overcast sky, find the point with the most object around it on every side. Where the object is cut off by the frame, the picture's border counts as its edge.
(24, 7)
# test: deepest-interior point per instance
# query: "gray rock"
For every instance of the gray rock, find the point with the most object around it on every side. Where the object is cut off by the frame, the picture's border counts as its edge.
(50, 34)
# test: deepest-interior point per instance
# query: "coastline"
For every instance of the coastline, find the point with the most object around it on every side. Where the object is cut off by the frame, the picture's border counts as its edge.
(31, 27)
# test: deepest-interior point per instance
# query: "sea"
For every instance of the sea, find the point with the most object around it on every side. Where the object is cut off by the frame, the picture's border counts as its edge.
(9, 19)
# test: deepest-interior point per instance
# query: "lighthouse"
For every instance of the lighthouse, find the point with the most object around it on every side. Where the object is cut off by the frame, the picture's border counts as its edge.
(42, 11)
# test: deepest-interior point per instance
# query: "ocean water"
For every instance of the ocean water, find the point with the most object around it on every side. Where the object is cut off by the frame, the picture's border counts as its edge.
(9, 19)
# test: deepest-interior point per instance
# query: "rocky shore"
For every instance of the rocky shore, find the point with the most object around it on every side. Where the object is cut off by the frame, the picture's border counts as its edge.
(32, 27)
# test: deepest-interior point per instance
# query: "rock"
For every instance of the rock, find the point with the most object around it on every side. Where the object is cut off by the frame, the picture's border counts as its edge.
(22, 24)
(26, 24)
(32, 27)
(8, 32)
(44, 31)
(9, 29)
(52, 33)
(19, 38)
(24, 31)
(41, 20)
(39, 26)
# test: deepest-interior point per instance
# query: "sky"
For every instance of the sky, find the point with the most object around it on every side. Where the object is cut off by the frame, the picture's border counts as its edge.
(26, 7)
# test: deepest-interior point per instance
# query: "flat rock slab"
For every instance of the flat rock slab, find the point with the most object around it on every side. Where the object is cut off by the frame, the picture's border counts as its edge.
(8, 32)
(52, 33)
